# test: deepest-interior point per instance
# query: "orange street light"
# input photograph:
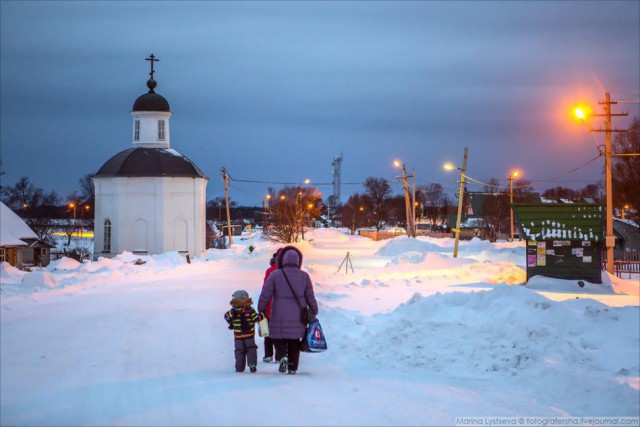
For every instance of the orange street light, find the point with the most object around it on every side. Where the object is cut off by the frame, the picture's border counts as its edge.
(72, 205)
(624, 208)
(513, 175)
(463, 171)
(409, 208)
(583, 113)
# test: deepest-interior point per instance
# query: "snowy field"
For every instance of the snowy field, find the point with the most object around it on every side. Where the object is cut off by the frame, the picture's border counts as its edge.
(415, 337)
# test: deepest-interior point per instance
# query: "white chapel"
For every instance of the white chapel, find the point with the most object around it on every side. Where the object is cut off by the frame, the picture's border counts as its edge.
(150, 198)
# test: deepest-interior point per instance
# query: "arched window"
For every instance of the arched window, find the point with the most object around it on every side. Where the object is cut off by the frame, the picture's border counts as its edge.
(107, 236)
(136, 131)
(161, 130)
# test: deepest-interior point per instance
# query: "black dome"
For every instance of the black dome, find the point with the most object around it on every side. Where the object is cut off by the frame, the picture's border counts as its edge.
(151, 102)
(138, 162)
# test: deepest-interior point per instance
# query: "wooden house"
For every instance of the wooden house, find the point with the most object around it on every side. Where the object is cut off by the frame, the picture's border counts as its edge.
(19, 245)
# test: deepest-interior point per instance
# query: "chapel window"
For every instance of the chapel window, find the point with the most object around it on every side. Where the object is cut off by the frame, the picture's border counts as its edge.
(161, 130)
(107, 236)
(136, 131)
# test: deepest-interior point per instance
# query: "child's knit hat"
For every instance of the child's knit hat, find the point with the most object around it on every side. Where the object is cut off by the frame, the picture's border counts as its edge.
(240, 294)
(240, 299)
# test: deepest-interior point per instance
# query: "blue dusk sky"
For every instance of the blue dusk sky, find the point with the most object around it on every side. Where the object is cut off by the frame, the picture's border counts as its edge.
(273, 91)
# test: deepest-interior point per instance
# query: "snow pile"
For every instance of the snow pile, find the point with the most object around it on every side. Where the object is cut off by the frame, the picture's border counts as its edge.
(404, 244)
(542, 283)
(63, 263)
(416, 337)
(9, 274)
(562, 347)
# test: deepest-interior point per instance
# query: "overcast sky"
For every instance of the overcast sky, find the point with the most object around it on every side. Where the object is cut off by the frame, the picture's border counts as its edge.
(273, 91)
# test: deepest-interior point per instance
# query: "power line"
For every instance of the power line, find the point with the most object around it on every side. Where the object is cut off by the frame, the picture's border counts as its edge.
(575, 169)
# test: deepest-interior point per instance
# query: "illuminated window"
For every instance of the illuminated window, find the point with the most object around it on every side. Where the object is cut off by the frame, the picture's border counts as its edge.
(161, 130)
(136, 131)
(107, 236)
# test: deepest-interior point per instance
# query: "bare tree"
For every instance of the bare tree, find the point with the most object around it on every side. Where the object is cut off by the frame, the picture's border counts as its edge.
(432, 198)
(356, 211)
(291, 212)
(495, 209)
(378, 190)
(87, 190)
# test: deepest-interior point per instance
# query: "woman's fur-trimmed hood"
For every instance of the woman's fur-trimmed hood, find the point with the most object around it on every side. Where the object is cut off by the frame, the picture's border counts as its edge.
(289, 255)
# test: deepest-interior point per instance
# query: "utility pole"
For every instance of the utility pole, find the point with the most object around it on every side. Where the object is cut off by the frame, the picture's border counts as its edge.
(610, 239)
(225, 179)
(413, 204)
(456, 230)
(512, 176)
(406, 199)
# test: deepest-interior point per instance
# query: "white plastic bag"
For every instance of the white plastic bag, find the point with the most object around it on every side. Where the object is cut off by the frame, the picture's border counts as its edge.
(263, 327)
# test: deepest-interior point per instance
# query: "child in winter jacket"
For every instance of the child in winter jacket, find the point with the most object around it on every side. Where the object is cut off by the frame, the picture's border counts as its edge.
(242, 319)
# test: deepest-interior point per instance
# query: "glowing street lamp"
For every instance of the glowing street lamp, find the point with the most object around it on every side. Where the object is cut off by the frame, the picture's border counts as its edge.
(85, 208)
(624, 208)
(73, 206)
(515, 174)
(463, 171)
(582, 113)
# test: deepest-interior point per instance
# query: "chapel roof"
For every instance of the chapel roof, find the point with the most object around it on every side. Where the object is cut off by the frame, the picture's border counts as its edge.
(149, 162)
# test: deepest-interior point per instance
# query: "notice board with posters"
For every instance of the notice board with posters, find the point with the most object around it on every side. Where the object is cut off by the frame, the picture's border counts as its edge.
(563, 241)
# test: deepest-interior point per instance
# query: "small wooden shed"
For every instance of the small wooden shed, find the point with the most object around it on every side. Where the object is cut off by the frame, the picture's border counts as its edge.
(19, 245)
(562, 240)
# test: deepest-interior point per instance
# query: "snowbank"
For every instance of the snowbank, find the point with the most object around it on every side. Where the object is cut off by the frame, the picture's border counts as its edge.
(416, 337)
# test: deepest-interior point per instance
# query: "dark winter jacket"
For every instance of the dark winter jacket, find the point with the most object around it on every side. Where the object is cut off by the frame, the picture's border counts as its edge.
(242, 318)
(285, 320)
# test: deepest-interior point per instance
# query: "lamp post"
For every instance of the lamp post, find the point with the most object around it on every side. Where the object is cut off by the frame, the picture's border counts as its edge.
(409, 205)
(300, 211)
(624, 208)
(610, 238)
(353, 224)
(265, 202)
(463, 171)
(513, 175)
(73, 205)
(85, 208)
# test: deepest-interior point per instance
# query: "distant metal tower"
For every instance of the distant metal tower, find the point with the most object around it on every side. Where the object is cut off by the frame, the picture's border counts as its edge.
(337, 180)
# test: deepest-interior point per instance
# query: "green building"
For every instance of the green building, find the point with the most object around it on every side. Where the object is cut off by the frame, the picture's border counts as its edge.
(563, 241)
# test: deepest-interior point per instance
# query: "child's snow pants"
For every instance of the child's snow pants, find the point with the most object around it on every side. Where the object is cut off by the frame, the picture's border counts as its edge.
(246, 352)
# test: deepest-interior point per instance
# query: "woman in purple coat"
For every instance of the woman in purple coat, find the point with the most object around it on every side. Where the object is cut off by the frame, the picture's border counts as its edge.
(285, 326)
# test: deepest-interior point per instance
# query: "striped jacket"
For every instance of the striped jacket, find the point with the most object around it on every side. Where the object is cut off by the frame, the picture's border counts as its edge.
(243, 321)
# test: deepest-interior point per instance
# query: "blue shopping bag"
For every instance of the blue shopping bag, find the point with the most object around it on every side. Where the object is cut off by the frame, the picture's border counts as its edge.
(314, 340)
